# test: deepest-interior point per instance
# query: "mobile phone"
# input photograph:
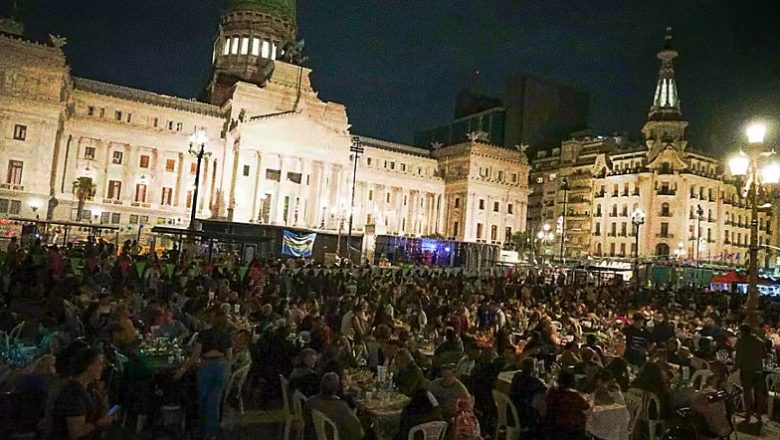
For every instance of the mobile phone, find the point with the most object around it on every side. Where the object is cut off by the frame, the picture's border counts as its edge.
(113, 410)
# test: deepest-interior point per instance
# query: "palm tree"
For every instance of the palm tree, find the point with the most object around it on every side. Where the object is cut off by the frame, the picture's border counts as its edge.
(83, 188)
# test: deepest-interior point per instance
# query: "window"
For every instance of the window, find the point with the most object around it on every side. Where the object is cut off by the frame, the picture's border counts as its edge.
(370, 195)
(664, 229)
(392, 165)
(481, 204)
(294, 177)
(156, 122)
(20, 132)
(405, 200)
(140, 193)
(613, 229)
(403, 167)
(133, 219)
(612, 249)
(510, 209)
(479, 231)
(129, 118)
(266, 53)
(102, 113)
(189, 199)
(273, 51)
(244, 46)
(105, 217)
(246, 170)
(597, 232)
(116, 218)
(170, 125)
(514, 177)
(275, 175)
(623, 229)
(116, 157)
(89, 153)
(507, 233)
(455, 228)
(665, 210)
(178, 126)
(144, 220)
(496, 207)
(90, 111)
(114, 189)
(170, 165)
(15, 172)
(494, 233)
(167, 196)
(540, 180)
(256, 47)
(234, 46)
(622, 249)
(388, 198)
(143, 162)
(368, 161)
(457, 202)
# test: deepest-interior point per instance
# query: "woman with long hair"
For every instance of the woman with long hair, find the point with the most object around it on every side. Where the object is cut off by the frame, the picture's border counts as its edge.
(214, 348)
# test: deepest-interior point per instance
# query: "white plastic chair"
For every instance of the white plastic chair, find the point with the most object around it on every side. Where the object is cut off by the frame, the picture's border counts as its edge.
(290, 417)
(635, 404)
(503, 403)
(193, 339)
(699, 379)
(430, 431)
(321, 425)
(652, 423)
(773, 387)
(298, 401)
(236, 382)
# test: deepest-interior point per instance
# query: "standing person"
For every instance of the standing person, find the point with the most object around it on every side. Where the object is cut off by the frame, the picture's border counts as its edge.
(214, 348)
(637, 341)
(76, 413)
(749, 360)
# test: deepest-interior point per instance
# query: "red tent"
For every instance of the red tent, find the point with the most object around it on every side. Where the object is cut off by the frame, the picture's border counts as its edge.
(729, 277)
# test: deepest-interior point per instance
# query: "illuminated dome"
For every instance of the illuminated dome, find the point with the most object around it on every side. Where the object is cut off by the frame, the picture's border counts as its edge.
(284, 9)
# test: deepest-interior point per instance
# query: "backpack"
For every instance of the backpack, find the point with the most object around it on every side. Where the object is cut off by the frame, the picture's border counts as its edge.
(466, 425)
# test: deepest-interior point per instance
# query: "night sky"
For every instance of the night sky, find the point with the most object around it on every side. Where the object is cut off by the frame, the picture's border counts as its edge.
(397, 64)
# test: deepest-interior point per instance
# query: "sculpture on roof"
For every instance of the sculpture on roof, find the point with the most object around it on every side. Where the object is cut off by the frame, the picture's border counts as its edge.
(436, 145)
(477, 136)
(293, 52)
(522, 148)
(58, 41)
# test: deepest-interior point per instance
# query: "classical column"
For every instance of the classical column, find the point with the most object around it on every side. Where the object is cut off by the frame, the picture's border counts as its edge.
(256, 199)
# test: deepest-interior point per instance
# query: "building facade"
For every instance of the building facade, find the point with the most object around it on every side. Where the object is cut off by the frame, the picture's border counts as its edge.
(693, 209)
(276, 153)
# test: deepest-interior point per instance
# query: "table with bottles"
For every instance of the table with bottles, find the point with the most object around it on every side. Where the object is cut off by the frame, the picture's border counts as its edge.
(377, 399)
(162, 354)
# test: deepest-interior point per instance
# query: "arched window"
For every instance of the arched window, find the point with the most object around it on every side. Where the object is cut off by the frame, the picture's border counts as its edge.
(598, 248)
(665, 209)
(662, 250)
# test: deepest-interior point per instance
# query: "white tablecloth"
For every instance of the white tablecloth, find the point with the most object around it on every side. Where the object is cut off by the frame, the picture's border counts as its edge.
(609, 422)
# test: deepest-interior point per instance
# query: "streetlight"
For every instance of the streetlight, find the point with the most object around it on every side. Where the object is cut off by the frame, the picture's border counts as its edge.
(637, 219)
(545, 235)
(565, 188)
(697, 249)
(357, 149)
(198, 149)
(753, 163)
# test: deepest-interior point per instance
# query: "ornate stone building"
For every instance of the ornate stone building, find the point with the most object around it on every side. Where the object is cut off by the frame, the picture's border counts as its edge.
(693, 209)
(277, 153)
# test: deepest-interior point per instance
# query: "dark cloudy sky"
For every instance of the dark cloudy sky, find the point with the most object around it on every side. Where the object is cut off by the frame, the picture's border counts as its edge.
(397, 64)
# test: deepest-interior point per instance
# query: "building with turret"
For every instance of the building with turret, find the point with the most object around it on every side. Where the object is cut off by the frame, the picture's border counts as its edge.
(693, 210)
(276, 153)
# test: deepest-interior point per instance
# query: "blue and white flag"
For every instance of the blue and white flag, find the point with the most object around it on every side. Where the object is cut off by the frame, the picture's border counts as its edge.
(295, 245)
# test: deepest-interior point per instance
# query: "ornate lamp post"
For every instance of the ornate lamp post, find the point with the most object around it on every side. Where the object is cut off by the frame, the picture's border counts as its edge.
(357, 149)
(699, 215)
(753, 163)
(565, 188)
(637, 219)
(198, 149)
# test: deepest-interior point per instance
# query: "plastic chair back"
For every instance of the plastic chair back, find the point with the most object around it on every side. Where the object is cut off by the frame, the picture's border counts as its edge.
(322, 424)
(504, 408)
(285, 384)
(430, 431)
(699, 379)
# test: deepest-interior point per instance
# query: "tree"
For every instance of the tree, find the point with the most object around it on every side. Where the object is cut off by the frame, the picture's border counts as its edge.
(83, 188)
(523, 241)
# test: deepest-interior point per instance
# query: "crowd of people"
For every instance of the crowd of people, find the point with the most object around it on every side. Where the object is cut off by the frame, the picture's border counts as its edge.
(82, 323)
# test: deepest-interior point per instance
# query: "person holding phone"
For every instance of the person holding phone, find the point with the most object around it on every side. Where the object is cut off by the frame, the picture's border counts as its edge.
(76, 414)
(214, 348)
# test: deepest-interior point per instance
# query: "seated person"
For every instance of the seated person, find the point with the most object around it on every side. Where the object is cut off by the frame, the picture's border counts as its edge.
(171, 328)
(408, 377)
(527, 392)
(448, 390)
(566, 409)
(422, 408)
(570, 356)
(334, 408)
(607, 391)
(241, 354)
(303, 377)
